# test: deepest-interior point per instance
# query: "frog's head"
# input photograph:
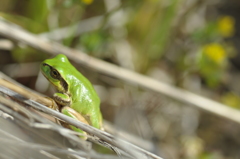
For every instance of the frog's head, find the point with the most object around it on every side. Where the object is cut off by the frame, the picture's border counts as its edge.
(53, 70)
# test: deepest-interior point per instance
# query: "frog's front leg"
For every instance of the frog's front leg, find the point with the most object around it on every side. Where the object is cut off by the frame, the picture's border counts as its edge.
(62, 99)
(75, 115)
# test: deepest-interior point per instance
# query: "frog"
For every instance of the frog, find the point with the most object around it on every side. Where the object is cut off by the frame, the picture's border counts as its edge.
(75, 96)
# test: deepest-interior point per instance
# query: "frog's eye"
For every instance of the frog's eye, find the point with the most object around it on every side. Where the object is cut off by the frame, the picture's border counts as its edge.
(55, 74)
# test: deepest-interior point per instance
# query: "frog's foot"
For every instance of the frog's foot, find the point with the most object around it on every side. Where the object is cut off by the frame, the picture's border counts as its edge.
(62, 99)
(53, 106)
(74, 114)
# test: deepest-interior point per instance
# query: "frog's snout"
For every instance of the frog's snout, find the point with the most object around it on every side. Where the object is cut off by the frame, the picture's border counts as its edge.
(43, 67)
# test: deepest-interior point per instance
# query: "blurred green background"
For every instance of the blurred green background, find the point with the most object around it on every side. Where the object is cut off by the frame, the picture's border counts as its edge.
(191, 44)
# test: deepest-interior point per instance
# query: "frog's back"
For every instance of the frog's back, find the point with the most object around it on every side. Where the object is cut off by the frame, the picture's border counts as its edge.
(85, 99)
(82, 91)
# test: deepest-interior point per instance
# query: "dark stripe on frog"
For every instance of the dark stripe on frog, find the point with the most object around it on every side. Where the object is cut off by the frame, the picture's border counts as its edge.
(62, 81)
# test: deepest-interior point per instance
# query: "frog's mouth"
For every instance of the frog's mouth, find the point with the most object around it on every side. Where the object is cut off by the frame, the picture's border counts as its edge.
(50, 80)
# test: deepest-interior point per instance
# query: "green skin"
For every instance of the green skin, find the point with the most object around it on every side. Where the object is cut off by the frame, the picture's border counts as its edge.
(76, 95)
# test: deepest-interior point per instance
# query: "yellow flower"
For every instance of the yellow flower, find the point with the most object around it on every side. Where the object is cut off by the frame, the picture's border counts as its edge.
(87, 1)
(215, 52)
(226, 26)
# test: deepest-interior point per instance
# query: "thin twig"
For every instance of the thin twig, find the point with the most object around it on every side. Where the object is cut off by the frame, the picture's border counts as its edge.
(79, 28)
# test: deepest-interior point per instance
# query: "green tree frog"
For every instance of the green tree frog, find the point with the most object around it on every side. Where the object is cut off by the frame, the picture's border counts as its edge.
(76, 96)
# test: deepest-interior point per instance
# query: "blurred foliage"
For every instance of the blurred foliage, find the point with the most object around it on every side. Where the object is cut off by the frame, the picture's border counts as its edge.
(27, 54)
(187, 43)
(150, 28)
(231, 99)
(94, 43)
